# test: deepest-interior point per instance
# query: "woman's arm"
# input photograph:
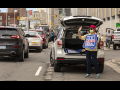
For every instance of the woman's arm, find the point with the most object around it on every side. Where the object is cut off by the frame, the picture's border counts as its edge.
(79, 32)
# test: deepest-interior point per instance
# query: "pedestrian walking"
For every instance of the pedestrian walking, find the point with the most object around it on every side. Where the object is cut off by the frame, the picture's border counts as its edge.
(91, 53)
(53, 35)
(108, 38)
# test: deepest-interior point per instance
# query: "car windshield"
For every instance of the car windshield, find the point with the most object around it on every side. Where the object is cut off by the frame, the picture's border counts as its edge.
(40, 32)
(8, 31)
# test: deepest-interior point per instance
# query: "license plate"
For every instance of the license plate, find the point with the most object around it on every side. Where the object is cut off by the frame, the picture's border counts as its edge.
(33, 42)
(2, 47)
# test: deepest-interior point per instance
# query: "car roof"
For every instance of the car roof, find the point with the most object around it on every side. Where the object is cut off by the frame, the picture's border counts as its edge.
(10, 27)
(30, 31)
(36, 29)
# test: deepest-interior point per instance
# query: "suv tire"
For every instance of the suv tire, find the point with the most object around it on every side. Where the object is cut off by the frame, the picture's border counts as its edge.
(44, 46)
(57, 67)
(39, 49)
(27, 54)
(101, 68)
(21, 56)
(114, 47)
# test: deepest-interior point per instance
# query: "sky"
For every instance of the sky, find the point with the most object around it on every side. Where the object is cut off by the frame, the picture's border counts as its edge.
(4, 9)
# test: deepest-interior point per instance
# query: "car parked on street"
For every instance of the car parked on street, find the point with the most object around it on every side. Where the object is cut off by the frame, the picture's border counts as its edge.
(13, 43)
(35, 40)
(64, 50)
(43, 35)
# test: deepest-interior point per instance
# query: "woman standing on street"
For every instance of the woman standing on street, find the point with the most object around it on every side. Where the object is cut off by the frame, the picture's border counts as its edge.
(91, 53)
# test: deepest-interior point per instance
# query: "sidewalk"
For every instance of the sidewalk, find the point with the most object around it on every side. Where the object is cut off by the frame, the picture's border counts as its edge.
(114, 64)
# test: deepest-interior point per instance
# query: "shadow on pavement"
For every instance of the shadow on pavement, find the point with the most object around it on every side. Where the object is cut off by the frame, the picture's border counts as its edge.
(76, 69)
(8, 59)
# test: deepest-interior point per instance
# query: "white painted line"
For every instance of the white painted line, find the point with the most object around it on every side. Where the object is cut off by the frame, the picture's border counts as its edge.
(38, 71)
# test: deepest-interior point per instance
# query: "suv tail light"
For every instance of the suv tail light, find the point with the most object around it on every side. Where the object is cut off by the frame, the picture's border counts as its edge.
(101, 59)
(60, 59)
(15, 47)
(15, 36)
(59, 43)
(112, 36)
(101, 45)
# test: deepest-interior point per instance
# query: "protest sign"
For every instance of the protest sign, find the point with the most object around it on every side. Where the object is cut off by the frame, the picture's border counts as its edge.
(90, 41)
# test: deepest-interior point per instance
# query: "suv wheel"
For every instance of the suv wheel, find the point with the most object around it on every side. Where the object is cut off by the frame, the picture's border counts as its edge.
(51, 59)
(27, 54)
(101, 68)
(39, 49)
(21, 56)
(114, 47)
(44, 46)
(57, 67)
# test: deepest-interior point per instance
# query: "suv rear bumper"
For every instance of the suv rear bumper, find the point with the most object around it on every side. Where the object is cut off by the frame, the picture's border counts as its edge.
(75, 61)
(34, 47)
(16, 51)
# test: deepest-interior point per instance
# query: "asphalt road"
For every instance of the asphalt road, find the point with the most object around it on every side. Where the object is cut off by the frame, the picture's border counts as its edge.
(29, 70)
(37, 66)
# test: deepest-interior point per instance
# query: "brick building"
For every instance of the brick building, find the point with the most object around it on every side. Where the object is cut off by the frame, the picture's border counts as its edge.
(10, 19)
(21, 11)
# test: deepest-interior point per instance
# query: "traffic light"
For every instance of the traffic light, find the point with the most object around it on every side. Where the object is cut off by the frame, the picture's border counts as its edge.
(51, 24)
(37, 24)
(18, 17)
(55, 16)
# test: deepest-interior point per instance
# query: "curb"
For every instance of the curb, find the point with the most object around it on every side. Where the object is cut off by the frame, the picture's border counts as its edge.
(113, 64)
(49, 73)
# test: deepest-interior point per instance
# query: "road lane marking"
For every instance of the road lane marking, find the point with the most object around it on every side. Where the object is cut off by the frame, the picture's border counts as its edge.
(38, 71)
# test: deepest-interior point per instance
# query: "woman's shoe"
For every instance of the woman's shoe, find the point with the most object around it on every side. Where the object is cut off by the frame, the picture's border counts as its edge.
(87, 75)
(98, 75)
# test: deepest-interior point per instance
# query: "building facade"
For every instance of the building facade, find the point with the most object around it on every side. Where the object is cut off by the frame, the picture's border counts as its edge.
(21, 11)
(110, 16)
(10, 19)
(42, 16)
(39, 9)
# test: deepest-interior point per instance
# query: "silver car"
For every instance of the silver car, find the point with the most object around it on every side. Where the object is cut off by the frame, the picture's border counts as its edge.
(35, 40)
(64, 50)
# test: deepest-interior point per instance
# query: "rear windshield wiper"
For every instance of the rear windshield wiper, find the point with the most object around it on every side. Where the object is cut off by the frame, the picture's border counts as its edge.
(6, 35)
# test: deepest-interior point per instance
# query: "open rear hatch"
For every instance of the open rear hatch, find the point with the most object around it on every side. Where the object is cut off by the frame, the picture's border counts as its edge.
(72, 24)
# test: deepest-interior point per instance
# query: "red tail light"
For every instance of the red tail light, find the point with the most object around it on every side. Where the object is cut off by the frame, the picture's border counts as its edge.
(15, 36)
(101, 59)
(113, 37)
(59, 42)
(15, 47)
(60, 59)
(101, 43)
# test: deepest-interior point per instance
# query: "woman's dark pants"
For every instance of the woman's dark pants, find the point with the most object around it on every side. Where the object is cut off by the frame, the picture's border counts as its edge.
(92, 54)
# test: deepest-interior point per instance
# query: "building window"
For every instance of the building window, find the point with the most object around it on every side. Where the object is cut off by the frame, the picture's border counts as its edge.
(8, 23)
(0, 17)
(8, 17)
(0, 23)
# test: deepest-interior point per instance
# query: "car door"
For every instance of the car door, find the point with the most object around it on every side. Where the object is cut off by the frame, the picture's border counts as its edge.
(24, 40)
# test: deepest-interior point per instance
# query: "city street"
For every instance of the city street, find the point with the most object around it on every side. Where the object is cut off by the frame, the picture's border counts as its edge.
(37, 68)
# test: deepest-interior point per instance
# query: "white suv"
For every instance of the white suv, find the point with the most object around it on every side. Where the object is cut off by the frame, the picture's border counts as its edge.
(68, 39)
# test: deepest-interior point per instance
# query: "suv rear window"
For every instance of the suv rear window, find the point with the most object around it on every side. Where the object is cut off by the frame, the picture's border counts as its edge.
(30, 33)
(40, 32)
(8, 31)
